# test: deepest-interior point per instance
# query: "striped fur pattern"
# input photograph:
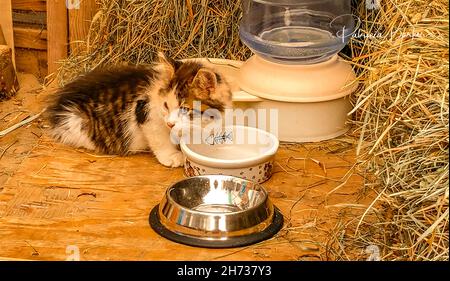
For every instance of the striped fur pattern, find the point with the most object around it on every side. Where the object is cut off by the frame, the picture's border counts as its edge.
(127, 109)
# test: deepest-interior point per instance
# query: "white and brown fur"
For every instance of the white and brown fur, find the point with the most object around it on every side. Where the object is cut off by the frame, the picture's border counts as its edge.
(123, 110)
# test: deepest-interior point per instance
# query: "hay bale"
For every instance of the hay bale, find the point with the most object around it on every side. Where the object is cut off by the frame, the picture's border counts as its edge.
(133, 31)
(401, 117)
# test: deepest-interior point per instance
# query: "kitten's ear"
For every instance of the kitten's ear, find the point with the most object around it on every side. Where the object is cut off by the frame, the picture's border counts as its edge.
(165, 65)
(206, 82)
(163, 58)
(169, 64)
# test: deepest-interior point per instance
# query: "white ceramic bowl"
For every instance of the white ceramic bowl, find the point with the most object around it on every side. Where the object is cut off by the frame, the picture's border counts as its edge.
(239, 151)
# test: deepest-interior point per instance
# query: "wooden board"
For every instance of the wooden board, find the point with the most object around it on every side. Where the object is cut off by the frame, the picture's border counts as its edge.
(32, 61)
(31, 18)
(6, 24)
(57, 33)
(30, 38)
(29, 5)
(2, 37)
(64, 198)
(54, 199)
(80, 21)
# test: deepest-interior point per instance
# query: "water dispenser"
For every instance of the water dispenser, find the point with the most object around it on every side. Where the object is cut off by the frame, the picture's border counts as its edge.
(296, 68)
(297, 32)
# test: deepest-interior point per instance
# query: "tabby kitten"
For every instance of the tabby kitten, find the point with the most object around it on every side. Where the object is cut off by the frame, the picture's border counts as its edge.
(123, 110)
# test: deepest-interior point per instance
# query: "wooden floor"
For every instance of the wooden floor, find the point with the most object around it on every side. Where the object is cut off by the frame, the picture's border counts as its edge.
(55, 199)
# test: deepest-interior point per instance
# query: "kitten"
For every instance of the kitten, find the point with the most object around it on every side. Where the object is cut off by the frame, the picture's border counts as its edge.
(122, 110)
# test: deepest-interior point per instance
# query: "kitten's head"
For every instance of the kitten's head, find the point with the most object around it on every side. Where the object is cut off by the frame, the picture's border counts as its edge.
(191, 89)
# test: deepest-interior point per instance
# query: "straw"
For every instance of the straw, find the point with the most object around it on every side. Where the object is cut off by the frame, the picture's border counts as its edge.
(401, 115)
(133, 31)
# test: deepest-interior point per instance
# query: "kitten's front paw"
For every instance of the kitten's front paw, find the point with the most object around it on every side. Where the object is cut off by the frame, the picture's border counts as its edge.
(172, 160)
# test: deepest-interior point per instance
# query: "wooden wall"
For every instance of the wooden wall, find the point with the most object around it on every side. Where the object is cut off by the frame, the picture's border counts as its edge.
(45, 31)
(57, 27)
(30, 36)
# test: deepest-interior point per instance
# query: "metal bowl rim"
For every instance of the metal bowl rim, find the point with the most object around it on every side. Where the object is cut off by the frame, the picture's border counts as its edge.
(172, 201)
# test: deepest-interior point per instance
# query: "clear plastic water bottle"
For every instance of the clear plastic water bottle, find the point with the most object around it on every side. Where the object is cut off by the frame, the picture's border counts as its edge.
(296, 31)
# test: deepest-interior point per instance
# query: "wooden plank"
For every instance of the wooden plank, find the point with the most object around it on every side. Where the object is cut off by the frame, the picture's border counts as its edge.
(6, 24)
(57, 33)
(30, 38)
(29, 5)
(30, 17)
(80, 21)
(2, 37)
(54, 196)
(65, 197)
(32, 61)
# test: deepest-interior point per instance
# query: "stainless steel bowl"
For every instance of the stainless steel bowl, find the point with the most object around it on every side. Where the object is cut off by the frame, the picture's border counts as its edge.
(216, 211)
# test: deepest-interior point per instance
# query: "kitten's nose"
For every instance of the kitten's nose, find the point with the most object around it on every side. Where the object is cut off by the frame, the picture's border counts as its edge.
(170, 124)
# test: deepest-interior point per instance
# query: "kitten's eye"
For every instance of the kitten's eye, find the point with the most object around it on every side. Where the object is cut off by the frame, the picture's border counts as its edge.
(166, 106)
(184, 110)
(209, 115)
